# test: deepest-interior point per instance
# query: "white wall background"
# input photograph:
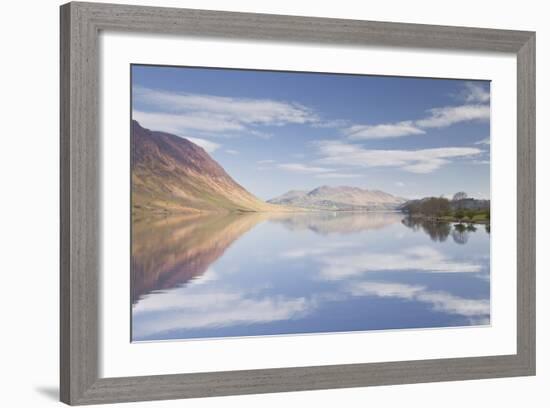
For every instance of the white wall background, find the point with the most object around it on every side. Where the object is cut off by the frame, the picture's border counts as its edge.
(29, 205)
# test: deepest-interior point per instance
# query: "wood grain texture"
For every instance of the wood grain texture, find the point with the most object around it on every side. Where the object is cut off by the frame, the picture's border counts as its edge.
(526, 196)
(160, 20)
(79, 204)
(79, 196)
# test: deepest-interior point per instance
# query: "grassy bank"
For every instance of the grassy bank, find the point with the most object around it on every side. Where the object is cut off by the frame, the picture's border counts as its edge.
(475, 217)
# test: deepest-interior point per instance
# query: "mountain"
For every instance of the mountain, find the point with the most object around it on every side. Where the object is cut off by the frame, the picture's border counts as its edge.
(339, 198)
(172, 174)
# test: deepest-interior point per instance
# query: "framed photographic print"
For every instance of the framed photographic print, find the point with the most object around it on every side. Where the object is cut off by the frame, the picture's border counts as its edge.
(260, 203)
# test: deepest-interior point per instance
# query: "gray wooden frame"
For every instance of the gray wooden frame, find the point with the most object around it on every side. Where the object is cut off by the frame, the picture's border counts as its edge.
(80, 234)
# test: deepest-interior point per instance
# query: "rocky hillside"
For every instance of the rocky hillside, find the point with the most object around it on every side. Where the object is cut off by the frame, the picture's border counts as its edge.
(172, 174)
(340, 199)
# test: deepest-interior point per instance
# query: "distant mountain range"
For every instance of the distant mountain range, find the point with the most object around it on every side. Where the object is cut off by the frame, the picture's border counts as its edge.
(342, 198)
(172, 174)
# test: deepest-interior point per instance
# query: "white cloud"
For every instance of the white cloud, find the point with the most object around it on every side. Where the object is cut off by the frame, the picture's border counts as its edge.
(449, 115)
(481, 162)
(486, 141)
(426, 166)
(415, 161)
(476, 109)
(316, 171)
(232, 151)
(330, 123)
(207, 145)
(399, 184)
(386, 289)
(261, 135)
(181, 123)
(475, 93)
(176, 112)
(382, 131)
(303, 168)
(337, 175)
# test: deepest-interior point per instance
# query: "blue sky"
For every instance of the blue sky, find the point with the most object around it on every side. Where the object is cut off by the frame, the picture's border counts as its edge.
(279, 131)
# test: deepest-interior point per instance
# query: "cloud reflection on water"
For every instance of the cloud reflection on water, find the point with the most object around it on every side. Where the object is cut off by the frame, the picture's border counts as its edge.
(183, 281)
(440, 301)
(421, 258)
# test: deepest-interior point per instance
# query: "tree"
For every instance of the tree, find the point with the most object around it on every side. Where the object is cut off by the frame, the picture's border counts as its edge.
(435, 206)
(470, 214)
(461, 195)
(459, 215)
(443, 206)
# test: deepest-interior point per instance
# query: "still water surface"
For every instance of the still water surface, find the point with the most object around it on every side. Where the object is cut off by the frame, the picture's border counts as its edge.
(259, 274)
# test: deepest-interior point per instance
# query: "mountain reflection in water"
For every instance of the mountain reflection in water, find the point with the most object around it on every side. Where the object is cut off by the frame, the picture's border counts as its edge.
(282, 273)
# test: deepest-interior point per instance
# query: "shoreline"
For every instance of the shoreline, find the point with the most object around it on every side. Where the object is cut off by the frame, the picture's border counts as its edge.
(283, 210)
(448, 219)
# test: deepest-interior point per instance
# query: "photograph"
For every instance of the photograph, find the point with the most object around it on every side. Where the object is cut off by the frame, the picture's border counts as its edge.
(297, 203)
(275, 204)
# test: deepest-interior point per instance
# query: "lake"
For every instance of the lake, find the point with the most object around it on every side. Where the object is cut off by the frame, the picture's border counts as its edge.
(259, 274)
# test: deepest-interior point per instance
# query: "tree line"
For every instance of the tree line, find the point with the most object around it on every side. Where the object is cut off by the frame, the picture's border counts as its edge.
(459, 208)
